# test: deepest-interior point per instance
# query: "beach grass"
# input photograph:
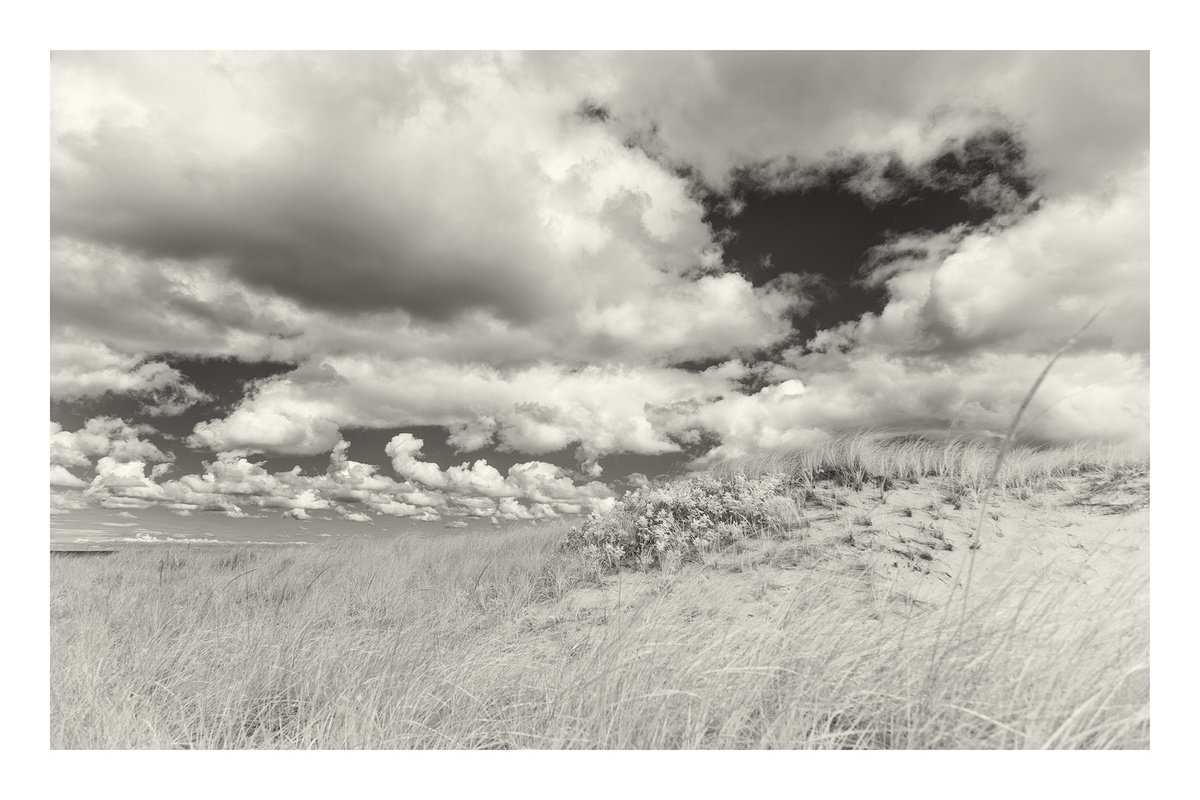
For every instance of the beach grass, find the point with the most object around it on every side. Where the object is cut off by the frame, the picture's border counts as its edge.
(785, 638)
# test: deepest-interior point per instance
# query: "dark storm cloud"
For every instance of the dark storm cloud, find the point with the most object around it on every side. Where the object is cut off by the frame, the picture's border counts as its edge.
(468, 193)
(299, 223)
(372, 182)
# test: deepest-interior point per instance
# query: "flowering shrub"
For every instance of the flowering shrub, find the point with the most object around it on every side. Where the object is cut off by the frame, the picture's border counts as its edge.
(677, 520)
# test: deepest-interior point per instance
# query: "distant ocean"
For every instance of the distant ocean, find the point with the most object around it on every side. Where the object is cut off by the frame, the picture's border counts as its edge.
(103, 529)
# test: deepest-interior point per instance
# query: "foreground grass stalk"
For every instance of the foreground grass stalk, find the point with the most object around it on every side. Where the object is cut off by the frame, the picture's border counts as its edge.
(1005, 446)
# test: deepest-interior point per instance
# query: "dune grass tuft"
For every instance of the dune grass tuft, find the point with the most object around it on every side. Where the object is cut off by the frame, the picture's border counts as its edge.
(960, 464)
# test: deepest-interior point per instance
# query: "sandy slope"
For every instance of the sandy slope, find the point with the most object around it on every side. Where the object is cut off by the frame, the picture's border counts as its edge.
(896, 553)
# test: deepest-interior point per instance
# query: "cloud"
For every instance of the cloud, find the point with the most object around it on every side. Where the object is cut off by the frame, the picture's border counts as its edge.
(1023, 288)
(63, 478)
(134, 304)
(539, 409)
(65, 502)
(380, 229)
(352, 490)
(477, 486)
(969, 322)
(953, 300)
(89, 369)
(399, 509)
(266, 431)
(103, 437)
(403, 449)
(111, 473)
(465, 191)
(1087, 396)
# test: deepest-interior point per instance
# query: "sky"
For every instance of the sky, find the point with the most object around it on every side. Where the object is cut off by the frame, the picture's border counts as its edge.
(294, 292)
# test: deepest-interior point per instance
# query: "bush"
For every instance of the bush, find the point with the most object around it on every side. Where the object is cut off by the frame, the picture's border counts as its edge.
(676, 521)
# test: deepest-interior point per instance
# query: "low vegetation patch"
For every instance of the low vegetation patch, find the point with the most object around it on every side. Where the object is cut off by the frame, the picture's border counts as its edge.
(670, 523)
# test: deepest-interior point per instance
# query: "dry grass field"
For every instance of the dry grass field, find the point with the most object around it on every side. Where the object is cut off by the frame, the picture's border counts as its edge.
(806, 600)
